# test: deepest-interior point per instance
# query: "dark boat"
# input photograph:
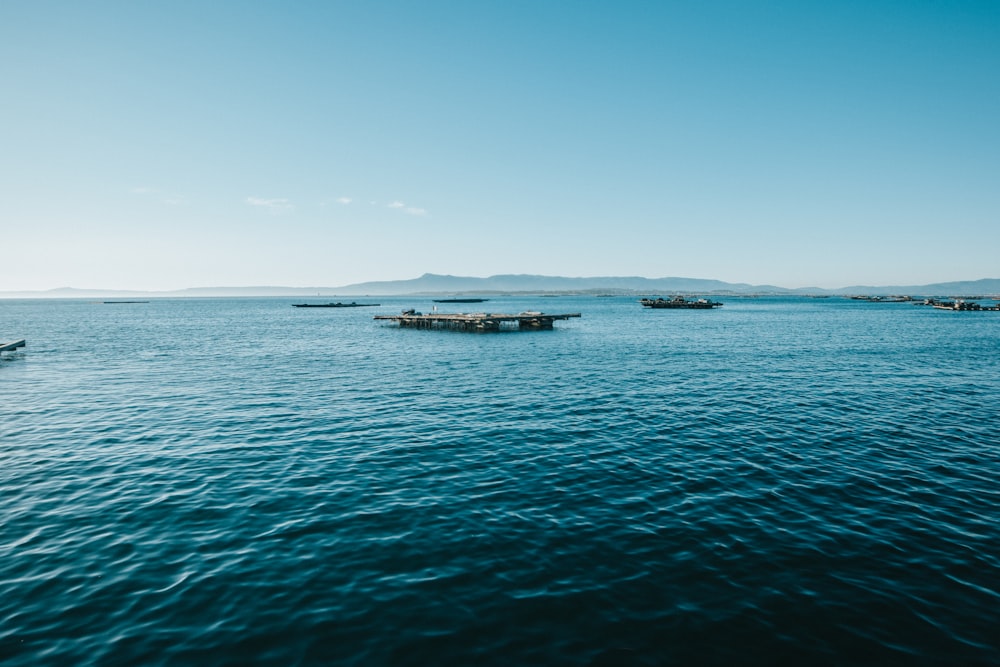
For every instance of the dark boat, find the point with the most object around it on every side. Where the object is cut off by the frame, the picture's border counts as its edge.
(459, 300)
(334, 305)
(679, 302)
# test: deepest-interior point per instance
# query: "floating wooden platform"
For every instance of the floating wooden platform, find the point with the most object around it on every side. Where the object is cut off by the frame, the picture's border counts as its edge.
(7, 347)
(959, 304)
(679, 302)
(334, 305)
(476, 321)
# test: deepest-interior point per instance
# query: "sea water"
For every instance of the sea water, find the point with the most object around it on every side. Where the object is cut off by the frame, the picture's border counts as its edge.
(236, 481)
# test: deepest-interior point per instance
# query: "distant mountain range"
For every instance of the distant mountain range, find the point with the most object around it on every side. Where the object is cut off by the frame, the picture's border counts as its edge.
(434, 284)
(431, 283)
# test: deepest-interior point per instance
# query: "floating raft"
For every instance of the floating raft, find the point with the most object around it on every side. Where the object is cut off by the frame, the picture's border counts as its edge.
(679, 302)
(959, 304)
(334, 305)
(476, 321)
(13, 345)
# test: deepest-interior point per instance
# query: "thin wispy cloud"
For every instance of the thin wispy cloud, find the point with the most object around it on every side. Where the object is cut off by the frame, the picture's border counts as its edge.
(395, 205)
(409, 210)
(276, 205)
(156, 193)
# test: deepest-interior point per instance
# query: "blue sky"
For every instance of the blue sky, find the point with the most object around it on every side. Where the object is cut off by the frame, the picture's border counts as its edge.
(180, 144)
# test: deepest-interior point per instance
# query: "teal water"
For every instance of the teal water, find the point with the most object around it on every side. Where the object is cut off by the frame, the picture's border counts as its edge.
(236, 481)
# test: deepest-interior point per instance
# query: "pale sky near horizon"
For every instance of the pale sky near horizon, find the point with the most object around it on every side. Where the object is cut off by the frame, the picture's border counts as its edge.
(160, 146)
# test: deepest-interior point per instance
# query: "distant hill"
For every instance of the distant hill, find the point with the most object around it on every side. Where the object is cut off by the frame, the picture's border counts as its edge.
(430, 284)
(957, 288)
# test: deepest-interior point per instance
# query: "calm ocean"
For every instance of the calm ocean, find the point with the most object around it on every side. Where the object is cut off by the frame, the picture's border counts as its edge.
(236, 481)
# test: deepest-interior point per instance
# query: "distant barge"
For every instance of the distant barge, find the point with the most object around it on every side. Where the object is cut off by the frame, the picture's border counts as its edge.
(334, 305)
(679, 302)
(459, 300)
(526, 320)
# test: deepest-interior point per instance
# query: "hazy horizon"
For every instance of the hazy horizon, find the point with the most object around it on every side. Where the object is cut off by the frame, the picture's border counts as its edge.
(156, 147)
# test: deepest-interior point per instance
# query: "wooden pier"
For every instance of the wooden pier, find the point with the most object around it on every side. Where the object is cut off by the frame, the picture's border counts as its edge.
(9, 347)
(529, 320)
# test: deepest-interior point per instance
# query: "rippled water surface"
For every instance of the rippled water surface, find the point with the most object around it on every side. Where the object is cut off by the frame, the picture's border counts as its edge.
(234, 481)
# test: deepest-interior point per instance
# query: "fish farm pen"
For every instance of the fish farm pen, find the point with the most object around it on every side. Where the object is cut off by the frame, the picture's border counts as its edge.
(477, 321)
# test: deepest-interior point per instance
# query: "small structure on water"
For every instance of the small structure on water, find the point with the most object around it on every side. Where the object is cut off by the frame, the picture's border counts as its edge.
(679, 302)
(476, 321)
(12, 346)
(895, 298)
(959, 304)
(334, 305)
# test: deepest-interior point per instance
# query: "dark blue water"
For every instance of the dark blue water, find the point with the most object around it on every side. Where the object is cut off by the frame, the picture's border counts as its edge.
(226, 482)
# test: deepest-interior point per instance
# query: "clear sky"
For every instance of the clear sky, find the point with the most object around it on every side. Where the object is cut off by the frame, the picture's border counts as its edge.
(164, 145)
